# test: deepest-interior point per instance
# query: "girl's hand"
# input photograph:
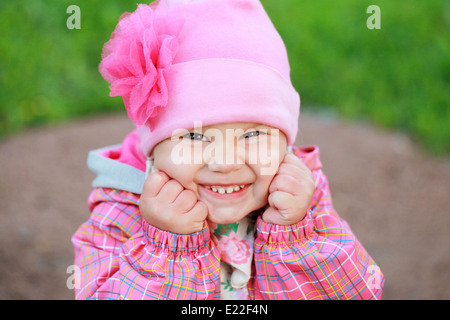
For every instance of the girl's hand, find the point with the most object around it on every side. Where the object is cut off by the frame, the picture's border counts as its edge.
(166, 205)
(290, 192)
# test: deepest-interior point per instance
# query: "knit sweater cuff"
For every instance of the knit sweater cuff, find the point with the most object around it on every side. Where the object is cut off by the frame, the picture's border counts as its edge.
(275, 234)
(175, 242)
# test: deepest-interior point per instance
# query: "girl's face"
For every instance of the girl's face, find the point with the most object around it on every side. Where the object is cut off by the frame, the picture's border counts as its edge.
(228, 166)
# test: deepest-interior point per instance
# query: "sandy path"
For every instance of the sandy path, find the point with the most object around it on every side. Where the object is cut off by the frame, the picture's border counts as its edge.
(395, 199)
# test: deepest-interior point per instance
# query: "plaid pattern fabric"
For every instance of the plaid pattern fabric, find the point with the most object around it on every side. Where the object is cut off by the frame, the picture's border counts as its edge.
(318, 258)
(121, 256)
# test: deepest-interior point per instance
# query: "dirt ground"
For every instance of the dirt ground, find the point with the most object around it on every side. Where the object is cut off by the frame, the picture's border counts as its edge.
(395, 198)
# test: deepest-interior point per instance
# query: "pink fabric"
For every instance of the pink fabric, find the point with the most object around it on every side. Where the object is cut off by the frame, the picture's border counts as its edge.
(224, 91)
(128, 152)
(154, 58)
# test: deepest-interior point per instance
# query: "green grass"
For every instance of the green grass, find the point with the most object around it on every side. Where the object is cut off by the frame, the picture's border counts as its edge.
(396, 77)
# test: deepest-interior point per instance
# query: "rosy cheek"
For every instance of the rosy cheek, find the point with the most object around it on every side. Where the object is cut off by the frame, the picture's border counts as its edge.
(261, 188)
(186, 176)
(162, 164)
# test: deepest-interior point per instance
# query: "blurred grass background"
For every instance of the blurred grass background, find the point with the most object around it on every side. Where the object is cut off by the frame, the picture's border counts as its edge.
(396, 77)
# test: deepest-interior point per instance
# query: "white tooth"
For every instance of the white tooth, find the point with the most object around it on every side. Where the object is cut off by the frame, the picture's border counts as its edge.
(237, 188)
(221, 190)
(230, 189)
(214, 189)
(242, 185)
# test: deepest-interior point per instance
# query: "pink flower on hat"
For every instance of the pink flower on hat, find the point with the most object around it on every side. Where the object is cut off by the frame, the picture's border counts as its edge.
(137, 57)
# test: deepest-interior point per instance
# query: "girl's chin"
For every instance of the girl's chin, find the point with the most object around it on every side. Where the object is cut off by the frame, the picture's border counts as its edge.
(225, 216)
(231, 215)
(223, 220)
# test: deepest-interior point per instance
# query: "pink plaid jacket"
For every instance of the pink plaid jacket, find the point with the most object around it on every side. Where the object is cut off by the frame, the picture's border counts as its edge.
(121, 256)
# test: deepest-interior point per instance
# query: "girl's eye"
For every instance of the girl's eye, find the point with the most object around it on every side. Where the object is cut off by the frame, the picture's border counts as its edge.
(252, 134)
(195, 136)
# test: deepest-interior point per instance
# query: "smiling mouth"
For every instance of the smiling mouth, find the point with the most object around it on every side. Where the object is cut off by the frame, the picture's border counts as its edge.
(226, 189)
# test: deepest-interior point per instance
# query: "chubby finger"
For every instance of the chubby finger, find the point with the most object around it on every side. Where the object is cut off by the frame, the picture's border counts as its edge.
(193, 220)
(291, 170)
(281, 201)
(272, 215)
(292, 159)
(185, 200)
(286, 183)
(199, 212)
(153, 184)
(170, 191)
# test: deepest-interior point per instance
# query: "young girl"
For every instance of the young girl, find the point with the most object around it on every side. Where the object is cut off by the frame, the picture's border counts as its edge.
(208, 198)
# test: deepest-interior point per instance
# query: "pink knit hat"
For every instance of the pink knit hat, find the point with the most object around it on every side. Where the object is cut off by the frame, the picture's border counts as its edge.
(176, 62)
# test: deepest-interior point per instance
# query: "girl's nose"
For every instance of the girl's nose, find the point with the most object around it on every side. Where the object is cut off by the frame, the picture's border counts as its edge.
(224, 167)
(225, 158)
